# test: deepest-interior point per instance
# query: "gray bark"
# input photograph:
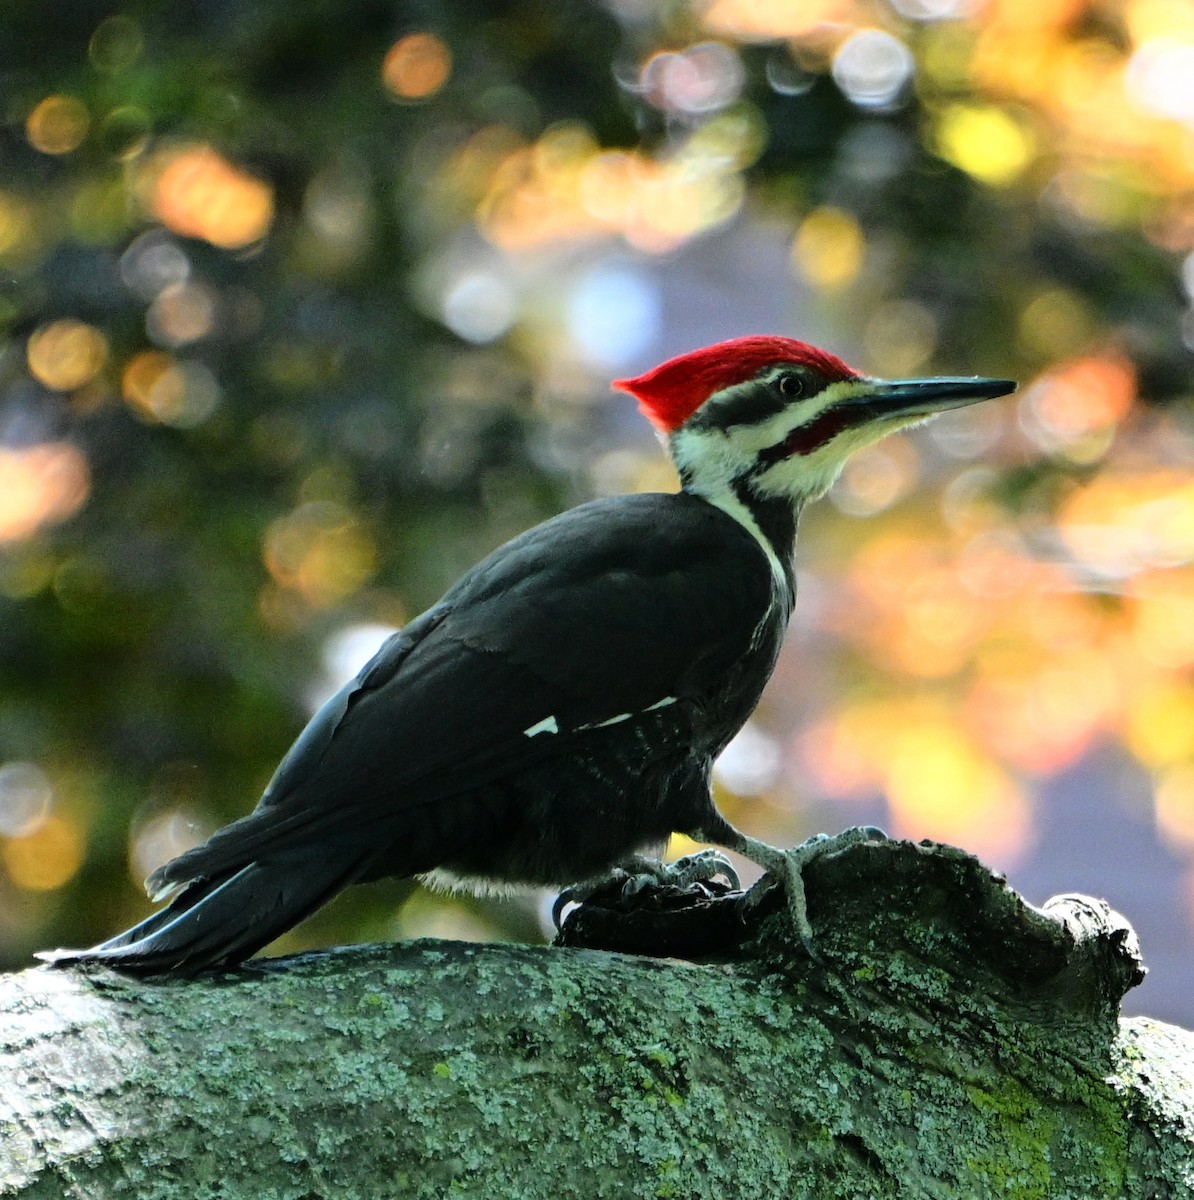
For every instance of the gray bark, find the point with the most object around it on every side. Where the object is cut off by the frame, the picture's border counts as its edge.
(956, 1043)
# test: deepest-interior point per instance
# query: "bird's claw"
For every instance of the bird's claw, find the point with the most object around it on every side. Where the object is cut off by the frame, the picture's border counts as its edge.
(578, 893)
(639, 874)
(699, 867)
(792, 869)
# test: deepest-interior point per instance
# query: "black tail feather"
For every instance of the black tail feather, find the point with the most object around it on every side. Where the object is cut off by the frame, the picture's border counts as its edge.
(221, 921)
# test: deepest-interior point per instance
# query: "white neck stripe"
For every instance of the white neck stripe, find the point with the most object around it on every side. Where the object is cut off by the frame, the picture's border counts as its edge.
(729, 503)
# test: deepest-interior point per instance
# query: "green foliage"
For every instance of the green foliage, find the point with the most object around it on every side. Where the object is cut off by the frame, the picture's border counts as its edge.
(336, 455)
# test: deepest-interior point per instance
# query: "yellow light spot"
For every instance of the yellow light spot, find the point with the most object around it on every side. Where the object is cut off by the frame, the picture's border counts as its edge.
(1054, 323)
(320, 551)
(40, 485)
(766, 20)
(1032, 14)
(914, 613)
(145, 383)
(1174, 806)
(57, 125)
(416, 66)
(66, 354)
(986, 142)
(47, 858)
(535, 192)
(198, 193)
(561, 187)
(1124, 522)
(606, 186)
(941, 786)
(679, 203)
(829, 248)
(1162, 613)
(1160, 727)
(1147, 19)
(680, 846)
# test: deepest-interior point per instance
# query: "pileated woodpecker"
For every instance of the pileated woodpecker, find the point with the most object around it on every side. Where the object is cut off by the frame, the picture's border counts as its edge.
(560, 709)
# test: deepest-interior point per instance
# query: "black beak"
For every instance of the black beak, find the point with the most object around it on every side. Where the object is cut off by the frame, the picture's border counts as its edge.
(923, 397)
(880, 400)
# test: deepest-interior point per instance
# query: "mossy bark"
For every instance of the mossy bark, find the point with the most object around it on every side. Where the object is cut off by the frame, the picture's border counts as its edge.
(955, 1043)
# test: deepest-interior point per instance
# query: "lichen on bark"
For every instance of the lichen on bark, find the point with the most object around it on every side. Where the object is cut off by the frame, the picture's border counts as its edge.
(955, 1043)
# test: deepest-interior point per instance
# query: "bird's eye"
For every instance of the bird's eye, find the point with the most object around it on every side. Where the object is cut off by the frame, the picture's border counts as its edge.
(791, 385)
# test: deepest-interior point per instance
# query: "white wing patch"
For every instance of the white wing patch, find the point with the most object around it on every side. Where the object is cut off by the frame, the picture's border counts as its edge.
(551, 725)
(611, 721)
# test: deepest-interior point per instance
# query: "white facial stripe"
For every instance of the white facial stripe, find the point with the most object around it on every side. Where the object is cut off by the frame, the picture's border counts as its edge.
(809, 476)
(750, 440)
(547, 725)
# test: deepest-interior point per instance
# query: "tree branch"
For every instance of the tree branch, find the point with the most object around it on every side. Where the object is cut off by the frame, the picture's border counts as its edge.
(958, 1043)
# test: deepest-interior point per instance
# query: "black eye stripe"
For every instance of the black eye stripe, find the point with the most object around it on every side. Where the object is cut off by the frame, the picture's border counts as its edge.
(747, 406)
(755, 402)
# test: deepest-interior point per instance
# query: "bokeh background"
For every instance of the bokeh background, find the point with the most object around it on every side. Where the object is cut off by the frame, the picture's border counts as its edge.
(306, 305)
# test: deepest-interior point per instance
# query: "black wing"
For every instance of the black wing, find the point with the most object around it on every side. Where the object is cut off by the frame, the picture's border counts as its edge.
(606, 610)
(598, 615)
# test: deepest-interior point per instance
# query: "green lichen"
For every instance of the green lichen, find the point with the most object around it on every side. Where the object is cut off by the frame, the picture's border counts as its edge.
(431, 1069)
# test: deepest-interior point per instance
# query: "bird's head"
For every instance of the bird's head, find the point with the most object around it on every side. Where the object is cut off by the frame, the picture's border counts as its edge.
(780, 417)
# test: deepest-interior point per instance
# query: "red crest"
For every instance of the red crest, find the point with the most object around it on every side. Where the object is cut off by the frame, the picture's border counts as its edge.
(670, 393)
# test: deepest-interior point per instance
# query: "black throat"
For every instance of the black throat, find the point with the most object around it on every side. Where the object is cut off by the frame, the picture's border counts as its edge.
(777, 518)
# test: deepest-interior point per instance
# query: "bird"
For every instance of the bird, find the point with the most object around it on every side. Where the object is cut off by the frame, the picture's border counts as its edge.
(556, 715)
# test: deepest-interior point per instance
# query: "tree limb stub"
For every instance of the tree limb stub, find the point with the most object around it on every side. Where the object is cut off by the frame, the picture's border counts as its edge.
(958, 1043)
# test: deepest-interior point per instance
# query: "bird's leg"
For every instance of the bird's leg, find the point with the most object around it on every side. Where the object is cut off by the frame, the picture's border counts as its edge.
(788, 866)
(639, 872)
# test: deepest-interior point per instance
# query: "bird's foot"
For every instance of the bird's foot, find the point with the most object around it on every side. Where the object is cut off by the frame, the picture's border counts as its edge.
(787, 867)
(700, 867)
(639, 874)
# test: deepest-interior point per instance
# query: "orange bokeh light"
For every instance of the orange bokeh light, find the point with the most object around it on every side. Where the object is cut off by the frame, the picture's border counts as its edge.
(1126, 521)
(1161, 618)
(321, 551)
(563, 187)
(416, 66)
(1083, 397)
(40, 485)
(47, 858)
(66, 354)
(198, 193)
(1042, 715)
(764, 20)
(58, 125)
